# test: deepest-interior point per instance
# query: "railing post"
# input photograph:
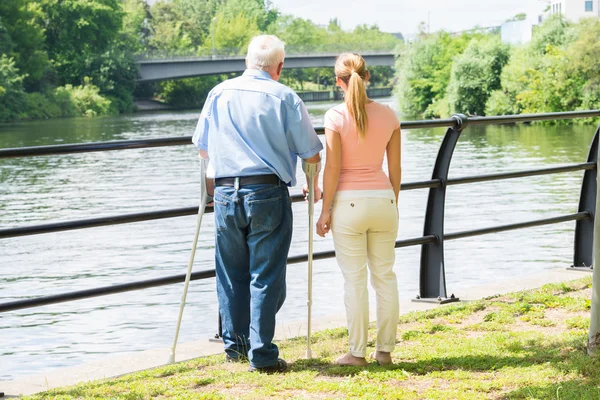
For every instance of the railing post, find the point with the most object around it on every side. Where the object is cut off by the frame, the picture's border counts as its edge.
(584, 230)
(432, 282)
(219, 335)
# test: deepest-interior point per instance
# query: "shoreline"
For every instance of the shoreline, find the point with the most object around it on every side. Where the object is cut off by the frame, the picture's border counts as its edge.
(125, 363)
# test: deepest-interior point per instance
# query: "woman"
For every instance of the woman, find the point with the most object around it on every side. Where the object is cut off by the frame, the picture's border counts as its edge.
(360, 207)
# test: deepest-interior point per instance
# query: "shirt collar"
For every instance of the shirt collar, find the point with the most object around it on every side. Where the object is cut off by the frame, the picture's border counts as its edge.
(257, 73)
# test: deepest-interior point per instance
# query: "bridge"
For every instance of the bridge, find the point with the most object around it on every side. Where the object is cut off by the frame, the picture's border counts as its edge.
(188, 67)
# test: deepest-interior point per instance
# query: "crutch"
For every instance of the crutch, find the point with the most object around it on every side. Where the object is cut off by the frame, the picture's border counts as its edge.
(311, 170)
(203, 202)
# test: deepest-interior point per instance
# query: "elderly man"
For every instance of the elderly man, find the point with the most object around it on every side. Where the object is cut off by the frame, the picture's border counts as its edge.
(253, 129)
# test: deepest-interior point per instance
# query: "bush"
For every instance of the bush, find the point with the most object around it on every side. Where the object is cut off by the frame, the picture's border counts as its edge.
(499, 104)
(189, 92)
(62, 99)
(39, 106)
(87, 100)
(438, 109)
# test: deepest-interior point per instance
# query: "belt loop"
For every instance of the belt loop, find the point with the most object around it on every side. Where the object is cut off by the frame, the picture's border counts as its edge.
(236, 183)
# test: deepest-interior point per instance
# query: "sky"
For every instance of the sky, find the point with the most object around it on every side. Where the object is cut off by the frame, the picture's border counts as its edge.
(405, 15)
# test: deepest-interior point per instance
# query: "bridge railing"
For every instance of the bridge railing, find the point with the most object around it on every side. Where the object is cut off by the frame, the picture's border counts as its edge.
(333, 49)
(432, 267)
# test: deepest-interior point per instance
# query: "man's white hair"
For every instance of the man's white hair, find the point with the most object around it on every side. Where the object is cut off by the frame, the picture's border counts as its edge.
(265, 51)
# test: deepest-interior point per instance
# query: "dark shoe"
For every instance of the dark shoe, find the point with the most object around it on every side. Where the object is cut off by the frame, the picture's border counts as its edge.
(281, 366)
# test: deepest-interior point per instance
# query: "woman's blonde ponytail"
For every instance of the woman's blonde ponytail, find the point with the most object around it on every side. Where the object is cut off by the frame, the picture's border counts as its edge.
(351, 69)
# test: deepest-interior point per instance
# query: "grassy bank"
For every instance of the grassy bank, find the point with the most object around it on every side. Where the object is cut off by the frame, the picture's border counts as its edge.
(525, 345)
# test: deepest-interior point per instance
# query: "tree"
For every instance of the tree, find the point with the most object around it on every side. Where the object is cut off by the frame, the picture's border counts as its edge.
(168, 32)
(584, 59)
(13, 100)
(136, 24)
(260, 11)
(423, 70)
(476, 74)
(24, 39)
(6, 43)
(232, 34)
(555, 31)
(77, 32)
(300, 35)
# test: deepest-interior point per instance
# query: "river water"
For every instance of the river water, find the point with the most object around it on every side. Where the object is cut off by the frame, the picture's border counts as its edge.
(70, 187)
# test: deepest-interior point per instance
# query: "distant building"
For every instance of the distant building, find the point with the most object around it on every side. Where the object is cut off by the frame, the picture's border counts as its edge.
(517, 32)
(575, 10)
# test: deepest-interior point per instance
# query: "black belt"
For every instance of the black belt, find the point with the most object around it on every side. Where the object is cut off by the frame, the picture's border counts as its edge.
(271, 179)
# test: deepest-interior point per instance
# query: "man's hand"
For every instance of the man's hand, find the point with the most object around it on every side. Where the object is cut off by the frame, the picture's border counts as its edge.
(306, 191)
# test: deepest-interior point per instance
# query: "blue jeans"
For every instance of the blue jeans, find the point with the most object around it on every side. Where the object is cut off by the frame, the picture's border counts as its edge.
(253, 234)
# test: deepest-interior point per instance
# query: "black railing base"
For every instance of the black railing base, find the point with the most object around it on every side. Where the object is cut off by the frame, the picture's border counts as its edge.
(581, 269)
(216, 339)
(436, 300)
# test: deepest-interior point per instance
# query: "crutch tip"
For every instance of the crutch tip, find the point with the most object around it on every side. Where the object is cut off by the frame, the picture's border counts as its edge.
(171, 357)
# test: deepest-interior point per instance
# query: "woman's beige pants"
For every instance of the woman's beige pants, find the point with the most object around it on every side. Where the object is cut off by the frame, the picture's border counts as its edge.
(364, 233)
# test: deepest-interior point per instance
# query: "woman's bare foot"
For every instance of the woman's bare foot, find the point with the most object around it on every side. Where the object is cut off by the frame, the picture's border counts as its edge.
(382, 357)
(349, 359)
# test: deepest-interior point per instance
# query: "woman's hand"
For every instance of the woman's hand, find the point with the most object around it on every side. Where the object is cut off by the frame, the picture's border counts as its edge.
(324, 223)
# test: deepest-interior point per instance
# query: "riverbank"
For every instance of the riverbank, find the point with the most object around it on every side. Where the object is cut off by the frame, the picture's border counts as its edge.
(525, 344)
(306, 96)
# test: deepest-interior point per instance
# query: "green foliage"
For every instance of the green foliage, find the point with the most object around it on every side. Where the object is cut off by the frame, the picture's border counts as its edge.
(136, 24)
(24, 39)
(6, 44)
(500, 361)
(475, 74)
(41, 106)
(181, 25)
(189, 92)
(87, 100)
(168, 28)
(12, 97)
(78, 32)
(578, 322)
(423, 70)
(83, 45)
(556, 71)
(258, 11)
(234, 32)
(555, 31)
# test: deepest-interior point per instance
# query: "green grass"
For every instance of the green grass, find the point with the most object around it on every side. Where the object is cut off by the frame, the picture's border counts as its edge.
(526, 345)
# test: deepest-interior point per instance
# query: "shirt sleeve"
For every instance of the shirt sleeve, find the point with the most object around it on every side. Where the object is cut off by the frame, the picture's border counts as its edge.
(394, 118)
(301, 136)
(200, 138)
(332, 121)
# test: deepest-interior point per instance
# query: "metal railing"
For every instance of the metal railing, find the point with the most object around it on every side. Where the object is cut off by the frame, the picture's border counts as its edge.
(209, 53)
(432, 268)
